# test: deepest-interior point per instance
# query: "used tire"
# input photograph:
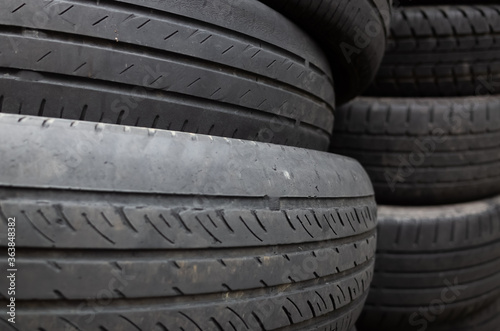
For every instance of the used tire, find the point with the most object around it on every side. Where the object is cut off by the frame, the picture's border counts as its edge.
(121, 228)
(353, 33)
(424, 150)
(442, 51)
(487, 319)
(178, 65)
(434, 265)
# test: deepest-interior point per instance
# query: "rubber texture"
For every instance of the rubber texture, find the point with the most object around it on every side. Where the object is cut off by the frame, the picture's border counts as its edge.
(127, 228)
(352, 32)
(487, 319)
(421, 151)
(435, 265)
(171, 64)
(441, 51)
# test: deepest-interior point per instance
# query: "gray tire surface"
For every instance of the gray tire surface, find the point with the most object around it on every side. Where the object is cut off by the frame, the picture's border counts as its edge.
(435, 265)
(124, 228)
(352, 32)
(226, 68)
(421, 151)
(442, 51)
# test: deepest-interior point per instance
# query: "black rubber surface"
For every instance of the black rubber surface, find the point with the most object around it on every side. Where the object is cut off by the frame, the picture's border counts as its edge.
(226, 68)
(352, 32)
(122, 228)
(398, 3)
(442, 51)
(434, 265)
(487, 319)
(424, 150)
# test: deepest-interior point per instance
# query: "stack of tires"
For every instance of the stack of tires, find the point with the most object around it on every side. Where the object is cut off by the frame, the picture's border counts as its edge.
(428, 132)
(142, 181)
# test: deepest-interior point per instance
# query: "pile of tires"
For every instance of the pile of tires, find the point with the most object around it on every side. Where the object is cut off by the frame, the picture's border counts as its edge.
(164, 168)
(427, 132)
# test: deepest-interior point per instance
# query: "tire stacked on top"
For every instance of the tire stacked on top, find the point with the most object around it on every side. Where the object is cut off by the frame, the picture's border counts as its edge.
(123, 223)
(353, 34)
(162, 65)
(428, 135)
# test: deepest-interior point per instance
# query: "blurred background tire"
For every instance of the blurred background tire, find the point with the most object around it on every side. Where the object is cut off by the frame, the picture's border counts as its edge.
(487, 319)
(352, 32)
(422, 151)
(441, 51)
(435, 265)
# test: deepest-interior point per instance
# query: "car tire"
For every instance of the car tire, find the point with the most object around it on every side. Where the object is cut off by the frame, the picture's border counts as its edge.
(352, 32)
(435, 265)
(174, 65)
(122, 227)
(421, 151)
(441, 51)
